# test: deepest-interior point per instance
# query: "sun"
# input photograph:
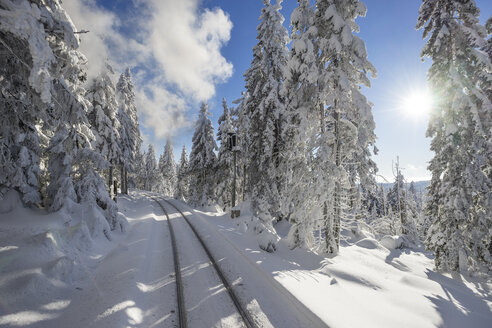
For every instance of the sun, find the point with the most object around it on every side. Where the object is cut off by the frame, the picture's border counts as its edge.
(416, 104)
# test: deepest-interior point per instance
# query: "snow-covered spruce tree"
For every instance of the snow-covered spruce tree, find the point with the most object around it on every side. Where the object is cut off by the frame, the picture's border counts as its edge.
(396, 200)
(347, 125)
(460, 194)
(182, 188)
(130, 139)
(403, 209)
(488, 46)
(415, 196)
(263, 108)
(225, 165)
(24, 97)
(73, 163)
(30, 33)
(56, 75)
(104, 121)
(167, 171)
(69, 123)
(202, 161)
(299, 127)
(137, 179)
(151, 171)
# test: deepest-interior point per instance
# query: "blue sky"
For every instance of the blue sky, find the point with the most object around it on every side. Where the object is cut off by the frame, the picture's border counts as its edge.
(138, 33)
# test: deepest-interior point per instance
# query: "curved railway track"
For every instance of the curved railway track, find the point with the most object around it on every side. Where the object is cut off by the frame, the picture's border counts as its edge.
(177, 272)
(248, 322)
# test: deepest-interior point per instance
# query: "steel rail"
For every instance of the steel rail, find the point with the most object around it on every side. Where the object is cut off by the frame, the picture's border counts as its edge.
(183, 323)
(244, 314)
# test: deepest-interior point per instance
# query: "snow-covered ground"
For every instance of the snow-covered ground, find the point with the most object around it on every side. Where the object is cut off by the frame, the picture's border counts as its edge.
(59, 270)
(366, 285)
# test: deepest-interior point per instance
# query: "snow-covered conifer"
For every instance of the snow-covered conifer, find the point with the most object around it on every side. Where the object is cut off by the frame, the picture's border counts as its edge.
(202, 160)
(68, 116)
(225, 165)
(263, 109)
(299, 127)
(151, 172)
(167, 171)
(403, 208)
(130, 139)
(19, 136)
(104, 120)
(137, 179)
(33, 35)
(347, 125)
(460, 194)
(182, 188)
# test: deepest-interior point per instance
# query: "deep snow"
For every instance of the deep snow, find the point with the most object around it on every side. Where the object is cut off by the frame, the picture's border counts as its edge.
(366, 285)
(56, 273)
(59, 270)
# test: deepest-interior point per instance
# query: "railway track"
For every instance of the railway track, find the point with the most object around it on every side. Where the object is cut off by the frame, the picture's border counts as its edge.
(182, 314)
(177, 272)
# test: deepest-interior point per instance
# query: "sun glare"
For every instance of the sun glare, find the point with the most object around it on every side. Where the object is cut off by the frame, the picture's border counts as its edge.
(417, 104)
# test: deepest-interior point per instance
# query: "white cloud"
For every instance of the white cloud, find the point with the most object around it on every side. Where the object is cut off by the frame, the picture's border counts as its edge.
(187, 43)
(175, 45)
(162, 111)
(87, 16)
(415, 172)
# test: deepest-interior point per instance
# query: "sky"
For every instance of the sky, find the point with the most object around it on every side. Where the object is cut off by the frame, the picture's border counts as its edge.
(182, 52)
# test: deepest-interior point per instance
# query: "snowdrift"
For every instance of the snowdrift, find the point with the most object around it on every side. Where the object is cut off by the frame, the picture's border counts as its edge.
(44, 256)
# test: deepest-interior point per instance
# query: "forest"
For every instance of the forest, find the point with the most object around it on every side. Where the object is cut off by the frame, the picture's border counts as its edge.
(295, 150)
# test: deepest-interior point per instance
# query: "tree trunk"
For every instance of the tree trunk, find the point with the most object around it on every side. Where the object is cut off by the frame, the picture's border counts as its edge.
(126, 182)
(110, 178)
(244, 180)
(122, 169)
(328, 226)
(337, 210)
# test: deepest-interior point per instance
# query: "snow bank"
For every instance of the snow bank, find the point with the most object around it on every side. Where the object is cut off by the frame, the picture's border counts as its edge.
(369, 243)
(45, 256)
(355, 230)
(9, 201)
(392, 242)
(213, 208)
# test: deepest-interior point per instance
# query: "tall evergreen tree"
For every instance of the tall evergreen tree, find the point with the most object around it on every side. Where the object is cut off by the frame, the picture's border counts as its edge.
(459, 196)
(263, 110)
(347, 125)
(151, 172)
(167, 170)
(299, 127)
(103, 118)
(25, 80)
(182, 189)
(225, 165)
(202, 160)
(403, 207)
(54, 103)
(137, 179)
(130, 139)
